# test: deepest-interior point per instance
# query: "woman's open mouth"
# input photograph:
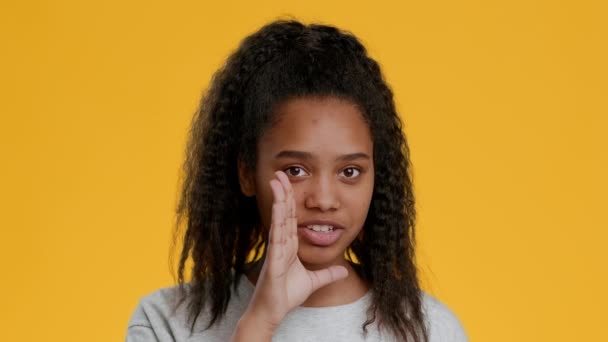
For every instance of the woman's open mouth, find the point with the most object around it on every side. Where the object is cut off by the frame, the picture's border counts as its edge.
(320, 234)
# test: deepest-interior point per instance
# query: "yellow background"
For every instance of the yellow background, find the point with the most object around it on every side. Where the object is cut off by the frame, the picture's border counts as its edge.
(505, 110)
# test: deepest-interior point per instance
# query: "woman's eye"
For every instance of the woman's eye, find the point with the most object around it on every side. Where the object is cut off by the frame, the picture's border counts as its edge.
(350, 172)
(295, 171)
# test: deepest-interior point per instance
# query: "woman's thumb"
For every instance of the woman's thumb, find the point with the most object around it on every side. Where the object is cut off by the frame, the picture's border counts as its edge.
(328, 275)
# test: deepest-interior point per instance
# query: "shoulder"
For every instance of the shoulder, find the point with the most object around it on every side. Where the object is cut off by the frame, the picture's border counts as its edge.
(443, 324)
(163, 315)
(161, 308)
(160, 303)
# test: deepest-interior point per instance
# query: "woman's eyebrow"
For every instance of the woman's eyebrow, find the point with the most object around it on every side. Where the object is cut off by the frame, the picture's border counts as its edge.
(308, 155)
(294, 154)
(353, 156)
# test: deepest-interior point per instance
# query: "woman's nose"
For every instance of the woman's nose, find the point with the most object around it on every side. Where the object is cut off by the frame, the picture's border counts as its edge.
(322, 194)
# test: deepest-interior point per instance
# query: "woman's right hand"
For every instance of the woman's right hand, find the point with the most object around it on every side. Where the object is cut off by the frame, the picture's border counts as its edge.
(284, 283)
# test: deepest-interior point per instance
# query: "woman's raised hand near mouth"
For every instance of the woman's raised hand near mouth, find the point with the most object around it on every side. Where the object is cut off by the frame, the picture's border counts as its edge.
(283, 282)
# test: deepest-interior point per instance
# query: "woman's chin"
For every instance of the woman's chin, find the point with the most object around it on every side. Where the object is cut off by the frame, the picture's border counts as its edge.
(316, 258)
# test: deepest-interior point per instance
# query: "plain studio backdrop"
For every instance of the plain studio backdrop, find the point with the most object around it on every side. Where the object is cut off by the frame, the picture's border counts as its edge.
(504, 104)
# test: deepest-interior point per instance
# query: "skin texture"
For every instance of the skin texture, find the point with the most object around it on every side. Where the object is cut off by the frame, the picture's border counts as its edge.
(331, 177)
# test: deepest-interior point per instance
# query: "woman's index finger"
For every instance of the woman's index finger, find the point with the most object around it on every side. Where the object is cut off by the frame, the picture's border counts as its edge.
(285, 181)
(277, 191)
(289, 201)
(277, 224)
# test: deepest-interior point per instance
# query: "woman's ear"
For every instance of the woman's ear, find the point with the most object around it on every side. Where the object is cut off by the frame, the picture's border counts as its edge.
(246, 179)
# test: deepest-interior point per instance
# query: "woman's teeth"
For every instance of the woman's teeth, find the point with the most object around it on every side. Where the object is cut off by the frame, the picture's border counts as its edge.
(320, 228)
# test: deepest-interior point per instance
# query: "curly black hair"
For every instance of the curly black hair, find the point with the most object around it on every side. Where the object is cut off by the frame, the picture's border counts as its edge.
(287, 59)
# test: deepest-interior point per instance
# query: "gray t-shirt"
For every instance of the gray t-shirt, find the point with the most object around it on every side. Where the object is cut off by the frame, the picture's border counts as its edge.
(155, 320)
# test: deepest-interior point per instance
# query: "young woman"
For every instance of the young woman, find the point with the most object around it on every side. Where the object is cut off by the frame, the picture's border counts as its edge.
(298, 204)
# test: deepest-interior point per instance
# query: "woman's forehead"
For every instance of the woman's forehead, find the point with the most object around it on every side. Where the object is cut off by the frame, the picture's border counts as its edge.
(315, 124)
(322, 128)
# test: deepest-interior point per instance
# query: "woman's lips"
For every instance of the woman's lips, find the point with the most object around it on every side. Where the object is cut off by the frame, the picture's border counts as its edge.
(320, 238)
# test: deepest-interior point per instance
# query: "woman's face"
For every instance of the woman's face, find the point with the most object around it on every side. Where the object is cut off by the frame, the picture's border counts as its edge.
(325, 148)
